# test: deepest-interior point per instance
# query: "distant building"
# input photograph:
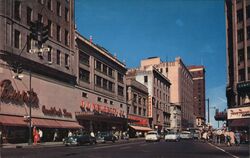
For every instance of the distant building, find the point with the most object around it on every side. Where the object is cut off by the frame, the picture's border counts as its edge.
(198, 73)
(159, 93)
(238, 62)
(175, 118)
(181, 90)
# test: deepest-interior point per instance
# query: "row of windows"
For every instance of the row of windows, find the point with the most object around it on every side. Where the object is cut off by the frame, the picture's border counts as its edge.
(50, 4)
(30, 43)
(161, 95)
(104, 69)
(49, 23)
(138, 99)
(139, 111)
(242, 74)
(240, 14)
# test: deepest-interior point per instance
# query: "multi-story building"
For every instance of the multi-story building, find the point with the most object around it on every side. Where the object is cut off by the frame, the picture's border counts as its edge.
(101, 79)
(137, 99)
(238, 62)
(198, 73)
(48, 78)
(181, 90)
(159, 93)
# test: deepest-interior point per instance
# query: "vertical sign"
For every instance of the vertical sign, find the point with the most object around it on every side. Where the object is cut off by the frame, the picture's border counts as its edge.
(150, 106)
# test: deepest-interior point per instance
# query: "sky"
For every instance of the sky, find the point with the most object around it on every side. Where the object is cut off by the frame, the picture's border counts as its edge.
(137, 29)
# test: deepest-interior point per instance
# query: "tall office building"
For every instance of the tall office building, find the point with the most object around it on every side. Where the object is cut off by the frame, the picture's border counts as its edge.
(238, 62)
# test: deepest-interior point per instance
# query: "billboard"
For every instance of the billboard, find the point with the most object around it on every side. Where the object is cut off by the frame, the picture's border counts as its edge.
(238, 113)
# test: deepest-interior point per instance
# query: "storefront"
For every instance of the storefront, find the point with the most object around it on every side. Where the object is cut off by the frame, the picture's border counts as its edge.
(138, 126)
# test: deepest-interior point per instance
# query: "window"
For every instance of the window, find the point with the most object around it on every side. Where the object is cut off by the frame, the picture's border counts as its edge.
(110, 72)
(144, 101)
(241, 55)
(248, 32)
(58, 33)
(139, 100)
(50, 54)
(29, 15)
(240, 35)
(120, 77)
(66, 14)
(248, 53)
(85, 95)
(83, 58)
(161, 70)
(17, 39)
(40, 18)
(145, 79)
(98, 81)
(50, 28)
(248, 11)
(58, 57)
(166, 69)
(121, 106)
(104, 69)
(58, 8)
(84, 75)
(66, 60)
(66, 37)
(135, 110)
(144, 112)
(105, 101)
(139, 111)
(17, 10)
(28, 43)
(99, 99)
(98, 65)
(49, 5)
(105, 84)
(120, 90)
(111, 102)
(241, 75)
(239, 15)
(110, 86)
(158, 118)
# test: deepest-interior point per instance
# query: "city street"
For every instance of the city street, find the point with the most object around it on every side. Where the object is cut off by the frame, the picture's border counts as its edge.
(194, 149)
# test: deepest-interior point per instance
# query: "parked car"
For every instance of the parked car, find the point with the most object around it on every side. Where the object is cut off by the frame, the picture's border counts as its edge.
(100, 138)
(172, 136)
(152, 136)
(108, 136)
(79, 140)
(186, 135)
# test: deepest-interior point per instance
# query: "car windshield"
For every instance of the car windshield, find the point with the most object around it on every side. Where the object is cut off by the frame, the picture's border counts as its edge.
(149, 133)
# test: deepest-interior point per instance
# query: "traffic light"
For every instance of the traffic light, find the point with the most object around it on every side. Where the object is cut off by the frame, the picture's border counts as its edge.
(34, 30)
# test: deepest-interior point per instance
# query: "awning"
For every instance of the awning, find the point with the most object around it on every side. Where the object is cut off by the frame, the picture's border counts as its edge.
(7, 120)
(12, 121)
(141, 128)
(240, 123)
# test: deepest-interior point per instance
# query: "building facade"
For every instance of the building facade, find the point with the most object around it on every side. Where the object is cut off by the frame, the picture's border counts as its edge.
(198, 73)
(181, 90)
(159, 93)
(101, 78)
(137, 99)
(175, 118)
(238, 60)
(43, 81)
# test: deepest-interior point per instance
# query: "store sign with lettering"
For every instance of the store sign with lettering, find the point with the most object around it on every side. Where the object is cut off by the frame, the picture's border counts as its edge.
(9, 94)
(138, 120)
(52, 111)
(238, 113)
(150, 106)
(93, 107)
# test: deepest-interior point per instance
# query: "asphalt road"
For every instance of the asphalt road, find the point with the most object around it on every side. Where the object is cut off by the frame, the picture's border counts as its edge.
(182, 149)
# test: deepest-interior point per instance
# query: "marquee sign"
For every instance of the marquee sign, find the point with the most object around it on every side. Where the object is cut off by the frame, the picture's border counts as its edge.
(93, 107)
(238, 113)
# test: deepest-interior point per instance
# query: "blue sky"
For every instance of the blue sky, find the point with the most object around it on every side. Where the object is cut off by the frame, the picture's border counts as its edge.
(137, 29)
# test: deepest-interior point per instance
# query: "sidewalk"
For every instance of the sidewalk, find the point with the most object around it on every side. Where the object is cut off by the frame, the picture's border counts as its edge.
(57, 144)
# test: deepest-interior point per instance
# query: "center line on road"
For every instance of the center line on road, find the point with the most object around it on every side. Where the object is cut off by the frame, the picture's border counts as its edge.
(223, 150)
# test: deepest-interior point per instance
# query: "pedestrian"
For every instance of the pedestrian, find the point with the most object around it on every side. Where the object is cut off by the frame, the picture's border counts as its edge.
(55, 136)
(40, 134)
(232, 137)
(70, 134)
(237, 138)
(204, 136)
(35, 135)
